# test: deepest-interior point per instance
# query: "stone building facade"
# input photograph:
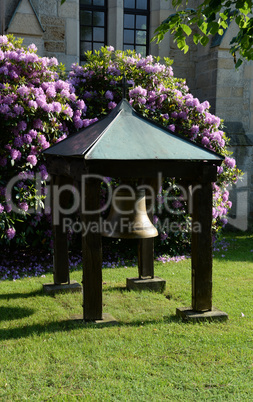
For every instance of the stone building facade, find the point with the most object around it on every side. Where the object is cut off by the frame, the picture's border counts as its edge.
(58, 30)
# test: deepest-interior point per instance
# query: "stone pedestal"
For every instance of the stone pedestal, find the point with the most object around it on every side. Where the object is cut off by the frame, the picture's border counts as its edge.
(155, 284)
(51, 288)
(107, 319)
(188, 314)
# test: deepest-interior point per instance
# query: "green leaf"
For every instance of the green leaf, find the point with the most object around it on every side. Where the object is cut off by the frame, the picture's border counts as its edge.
(196, 38)
(204, 40)
(186, 29)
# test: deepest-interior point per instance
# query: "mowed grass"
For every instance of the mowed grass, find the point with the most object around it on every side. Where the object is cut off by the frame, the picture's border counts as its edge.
(149, 355)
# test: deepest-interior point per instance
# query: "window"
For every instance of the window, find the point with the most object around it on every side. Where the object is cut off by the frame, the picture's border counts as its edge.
(136, 26)
(93, 17)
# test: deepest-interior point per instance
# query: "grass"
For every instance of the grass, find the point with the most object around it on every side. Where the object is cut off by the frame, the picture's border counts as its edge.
(149, 355)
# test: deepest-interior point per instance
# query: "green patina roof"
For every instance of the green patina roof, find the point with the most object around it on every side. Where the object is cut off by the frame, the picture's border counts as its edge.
(126, 135)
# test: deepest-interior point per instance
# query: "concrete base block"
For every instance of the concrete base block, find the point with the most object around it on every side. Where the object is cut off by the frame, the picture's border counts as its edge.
(51, 288)
(190, 315)
(155, 284)
(107, 319)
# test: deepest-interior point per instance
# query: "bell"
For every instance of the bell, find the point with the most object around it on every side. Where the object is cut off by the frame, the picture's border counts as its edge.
(128, 217)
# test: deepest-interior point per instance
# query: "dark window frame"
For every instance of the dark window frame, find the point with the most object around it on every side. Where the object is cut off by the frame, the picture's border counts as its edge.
(135, 12)
(93, 8)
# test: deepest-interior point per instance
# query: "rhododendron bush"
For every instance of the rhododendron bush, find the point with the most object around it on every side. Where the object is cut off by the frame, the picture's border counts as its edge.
(36, 110)
(155, 93)
(39, 108)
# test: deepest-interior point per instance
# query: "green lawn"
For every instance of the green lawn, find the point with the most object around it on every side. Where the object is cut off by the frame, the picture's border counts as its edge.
(150, 355)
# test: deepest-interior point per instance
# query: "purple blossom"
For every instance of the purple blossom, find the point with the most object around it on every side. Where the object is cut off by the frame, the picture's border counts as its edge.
(22, 125)
(163, 236)
(137, 91)
(33, 133)
(109, 95)
(23, 206)
(32, 160)
(194, 129)
(57, 107)
(205, 141)
(18, 142)
(172, 127)
(112, 105)
(15, 154)
(10, 233)
(1, 208)
(37, 124)
(27, 138)
(230, 162)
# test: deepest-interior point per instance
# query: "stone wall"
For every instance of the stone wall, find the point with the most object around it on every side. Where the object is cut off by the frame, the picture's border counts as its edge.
(54, 28)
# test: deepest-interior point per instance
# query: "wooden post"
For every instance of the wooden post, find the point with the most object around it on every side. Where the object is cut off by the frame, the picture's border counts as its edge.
(61, 262)
(92, 252)
(146, 246)
(202, 248)
(146, 257)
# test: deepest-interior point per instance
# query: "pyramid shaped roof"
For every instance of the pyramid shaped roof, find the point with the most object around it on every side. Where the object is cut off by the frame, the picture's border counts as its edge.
(126, 135)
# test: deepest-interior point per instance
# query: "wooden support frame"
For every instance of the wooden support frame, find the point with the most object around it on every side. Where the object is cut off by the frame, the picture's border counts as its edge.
(61, 259)
(201, 258)
(92, 252)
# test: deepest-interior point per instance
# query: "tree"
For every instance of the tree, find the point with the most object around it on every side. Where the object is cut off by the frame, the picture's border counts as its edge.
(211, 17)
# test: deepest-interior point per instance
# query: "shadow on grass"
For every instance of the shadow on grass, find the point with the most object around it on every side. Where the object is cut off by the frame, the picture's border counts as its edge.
(68, 325)
(8, 296)
(14, 313)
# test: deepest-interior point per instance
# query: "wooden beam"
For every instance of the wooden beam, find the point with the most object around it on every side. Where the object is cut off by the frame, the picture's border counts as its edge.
(61, 262)
(187, 170)
(202, 248)
(92, 253)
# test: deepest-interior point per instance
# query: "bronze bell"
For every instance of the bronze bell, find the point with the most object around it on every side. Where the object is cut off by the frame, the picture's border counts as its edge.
(128, 217)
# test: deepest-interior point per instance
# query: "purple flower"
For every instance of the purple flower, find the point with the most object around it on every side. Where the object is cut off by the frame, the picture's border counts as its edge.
(22, 125)
(81, 105)
(23, 206)
(214, 213)
(33, 104)
(219, 169)
(38, 124)
(194, 129)
(27, 138)
(3, 40)
(78, 123)
(230, 162)
(109, 95)
(172, 127)
(155, 219)
(32, 160)
(57, 107)
(10, 233)
(18, 142)
(15, 154)
(112, 105)
(1, 208)
(182, 115)
(205, 141)
(33, 133)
